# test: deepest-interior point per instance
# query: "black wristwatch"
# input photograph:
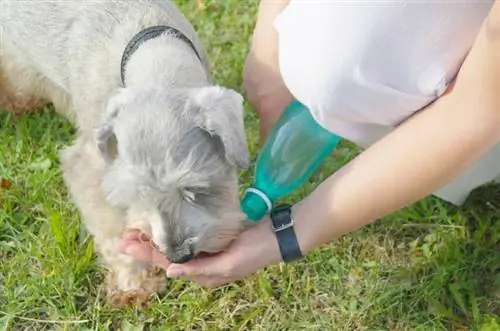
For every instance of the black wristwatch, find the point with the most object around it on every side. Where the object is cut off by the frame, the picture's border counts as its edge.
(282, 226)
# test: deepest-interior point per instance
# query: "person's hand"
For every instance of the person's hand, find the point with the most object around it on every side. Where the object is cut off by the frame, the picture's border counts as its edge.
(138, 245)
(253, 250)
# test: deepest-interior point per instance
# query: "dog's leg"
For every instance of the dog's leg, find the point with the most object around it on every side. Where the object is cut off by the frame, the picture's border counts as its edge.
(20, 87)
(129, 282)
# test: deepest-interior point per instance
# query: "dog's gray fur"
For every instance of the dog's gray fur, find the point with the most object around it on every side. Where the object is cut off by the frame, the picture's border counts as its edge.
(160, 154)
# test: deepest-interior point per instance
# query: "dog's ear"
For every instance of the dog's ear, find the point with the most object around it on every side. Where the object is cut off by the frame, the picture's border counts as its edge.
(104, 132)
(219, 111)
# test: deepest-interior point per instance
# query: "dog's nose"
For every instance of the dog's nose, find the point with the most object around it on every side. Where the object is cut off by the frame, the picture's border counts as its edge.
(180, 253)
(181, 258)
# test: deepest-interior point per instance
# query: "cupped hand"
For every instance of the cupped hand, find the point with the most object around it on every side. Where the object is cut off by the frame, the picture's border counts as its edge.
(137, 244)
(254, 249)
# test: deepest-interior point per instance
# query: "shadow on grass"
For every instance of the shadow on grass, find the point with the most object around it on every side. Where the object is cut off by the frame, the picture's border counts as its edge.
(36, 126)
(453, 269)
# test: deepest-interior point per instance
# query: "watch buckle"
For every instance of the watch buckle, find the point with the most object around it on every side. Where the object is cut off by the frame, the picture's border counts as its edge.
(283, 226)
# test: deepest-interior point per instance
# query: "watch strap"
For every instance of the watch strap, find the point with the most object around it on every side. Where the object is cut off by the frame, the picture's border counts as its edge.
(282, 226)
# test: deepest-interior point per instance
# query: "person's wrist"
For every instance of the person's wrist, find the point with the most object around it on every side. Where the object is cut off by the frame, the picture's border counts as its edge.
(269, 249)
(304, 236)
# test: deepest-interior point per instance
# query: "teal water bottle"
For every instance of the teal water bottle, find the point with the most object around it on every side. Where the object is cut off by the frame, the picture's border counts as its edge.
(295, 148)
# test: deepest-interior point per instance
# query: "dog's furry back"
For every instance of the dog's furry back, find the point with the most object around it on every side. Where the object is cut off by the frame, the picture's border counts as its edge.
(101, 28)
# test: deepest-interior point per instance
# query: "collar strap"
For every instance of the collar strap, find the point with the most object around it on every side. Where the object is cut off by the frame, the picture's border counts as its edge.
(148, 34)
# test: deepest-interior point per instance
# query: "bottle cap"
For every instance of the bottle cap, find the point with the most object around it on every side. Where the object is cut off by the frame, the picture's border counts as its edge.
(256, 204)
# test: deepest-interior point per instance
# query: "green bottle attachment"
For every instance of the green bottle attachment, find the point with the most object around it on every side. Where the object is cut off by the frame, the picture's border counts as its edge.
(295, 149)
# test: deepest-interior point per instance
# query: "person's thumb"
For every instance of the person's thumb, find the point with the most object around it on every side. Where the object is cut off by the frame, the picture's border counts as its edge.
(200, 267)
(144, 252)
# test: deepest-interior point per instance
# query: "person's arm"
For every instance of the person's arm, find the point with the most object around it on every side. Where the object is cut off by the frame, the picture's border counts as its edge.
(262, 81)
(419, 157)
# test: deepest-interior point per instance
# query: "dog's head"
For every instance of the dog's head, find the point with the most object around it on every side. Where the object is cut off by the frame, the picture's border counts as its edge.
(172, 159)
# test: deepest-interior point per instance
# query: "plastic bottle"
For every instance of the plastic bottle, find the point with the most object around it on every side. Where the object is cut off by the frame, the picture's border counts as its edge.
(295, 148)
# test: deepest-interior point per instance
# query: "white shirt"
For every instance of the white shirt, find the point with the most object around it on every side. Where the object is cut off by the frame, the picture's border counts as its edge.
(363, 67)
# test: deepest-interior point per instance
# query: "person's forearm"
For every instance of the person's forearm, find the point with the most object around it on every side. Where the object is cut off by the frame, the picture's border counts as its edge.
(262, 81)
(419, 157)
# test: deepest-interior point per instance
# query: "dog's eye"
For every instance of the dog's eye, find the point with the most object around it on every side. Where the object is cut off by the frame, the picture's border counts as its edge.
(189, 195)
(196, 195)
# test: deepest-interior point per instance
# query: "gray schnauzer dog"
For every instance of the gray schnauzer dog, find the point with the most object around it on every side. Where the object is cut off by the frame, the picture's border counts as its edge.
(158, 146)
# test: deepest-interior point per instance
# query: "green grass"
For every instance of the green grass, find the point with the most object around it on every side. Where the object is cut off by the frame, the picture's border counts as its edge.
(427, 267)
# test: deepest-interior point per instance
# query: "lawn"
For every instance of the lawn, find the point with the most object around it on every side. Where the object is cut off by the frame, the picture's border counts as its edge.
(430, 266)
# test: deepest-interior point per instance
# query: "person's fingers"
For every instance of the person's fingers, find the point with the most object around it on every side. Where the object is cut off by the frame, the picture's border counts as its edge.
(122, 244)
(143, 251)
(131, 234)
(209, 266)
(159, 259)
(138, 250)
(135, 234)
(185, 270)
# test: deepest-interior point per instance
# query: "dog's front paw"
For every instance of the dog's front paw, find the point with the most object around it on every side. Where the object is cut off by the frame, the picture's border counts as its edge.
(137, 299)
(149, 282)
